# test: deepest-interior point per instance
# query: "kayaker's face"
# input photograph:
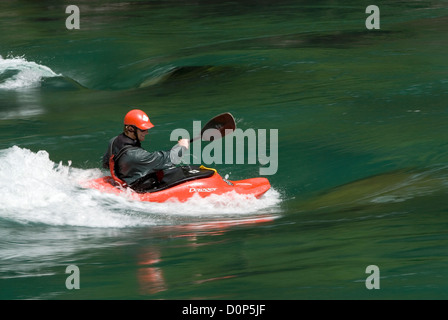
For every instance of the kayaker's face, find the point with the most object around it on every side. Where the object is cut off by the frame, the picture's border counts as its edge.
(141, 134)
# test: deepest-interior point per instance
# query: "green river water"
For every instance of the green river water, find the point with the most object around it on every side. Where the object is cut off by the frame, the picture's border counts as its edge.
(359, 167)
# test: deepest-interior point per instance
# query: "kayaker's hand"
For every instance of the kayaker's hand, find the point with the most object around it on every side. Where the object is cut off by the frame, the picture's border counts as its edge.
(184, 143)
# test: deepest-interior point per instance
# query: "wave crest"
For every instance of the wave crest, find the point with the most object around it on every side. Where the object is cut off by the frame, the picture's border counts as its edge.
(18, 73)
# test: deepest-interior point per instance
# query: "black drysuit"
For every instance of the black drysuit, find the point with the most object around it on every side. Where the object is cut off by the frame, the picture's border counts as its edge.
(136, 163)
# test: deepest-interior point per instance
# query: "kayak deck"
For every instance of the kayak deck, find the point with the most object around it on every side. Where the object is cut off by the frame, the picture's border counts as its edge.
(213, 185)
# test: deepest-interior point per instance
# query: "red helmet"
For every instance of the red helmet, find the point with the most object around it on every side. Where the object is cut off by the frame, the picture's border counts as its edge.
(139, 119)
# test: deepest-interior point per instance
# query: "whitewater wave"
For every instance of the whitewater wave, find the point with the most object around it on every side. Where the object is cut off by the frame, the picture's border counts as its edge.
(34, 189)
(18, 73)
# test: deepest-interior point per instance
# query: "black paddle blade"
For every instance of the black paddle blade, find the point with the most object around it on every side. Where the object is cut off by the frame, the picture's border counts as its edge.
(223, 124)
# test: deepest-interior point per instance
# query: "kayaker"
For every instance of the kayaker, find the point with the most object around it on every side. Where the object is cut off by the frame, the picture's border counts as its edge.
(132, 164)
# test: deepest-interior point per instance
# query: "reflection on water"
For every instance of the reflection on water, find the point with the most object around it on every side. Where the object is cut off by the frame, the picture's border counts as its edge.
(150, 273)
(21, 104)
(150, 277)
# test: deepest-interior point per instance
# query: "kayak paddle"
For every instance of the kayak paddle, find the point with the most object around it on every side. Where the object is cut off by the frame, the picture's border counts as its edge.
(224, 123)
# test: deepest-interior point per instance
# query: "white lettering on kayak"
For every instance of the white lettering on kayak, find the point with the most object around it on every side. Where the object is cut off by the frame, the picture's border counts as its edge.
(202, 189)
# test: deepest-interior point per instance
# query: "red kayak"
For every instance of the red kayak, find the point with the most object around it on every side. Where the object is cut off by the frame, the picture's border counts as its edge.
(194, 182)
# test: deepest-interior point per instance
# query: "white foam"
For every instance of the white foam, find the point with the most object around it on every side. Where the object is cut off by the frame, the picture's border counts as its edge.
(34, 189)
(25, 74)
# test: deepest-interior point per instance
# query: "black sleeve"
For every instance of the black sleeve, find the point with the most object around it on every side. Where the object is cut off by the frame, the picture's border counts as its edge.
(157, 160)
